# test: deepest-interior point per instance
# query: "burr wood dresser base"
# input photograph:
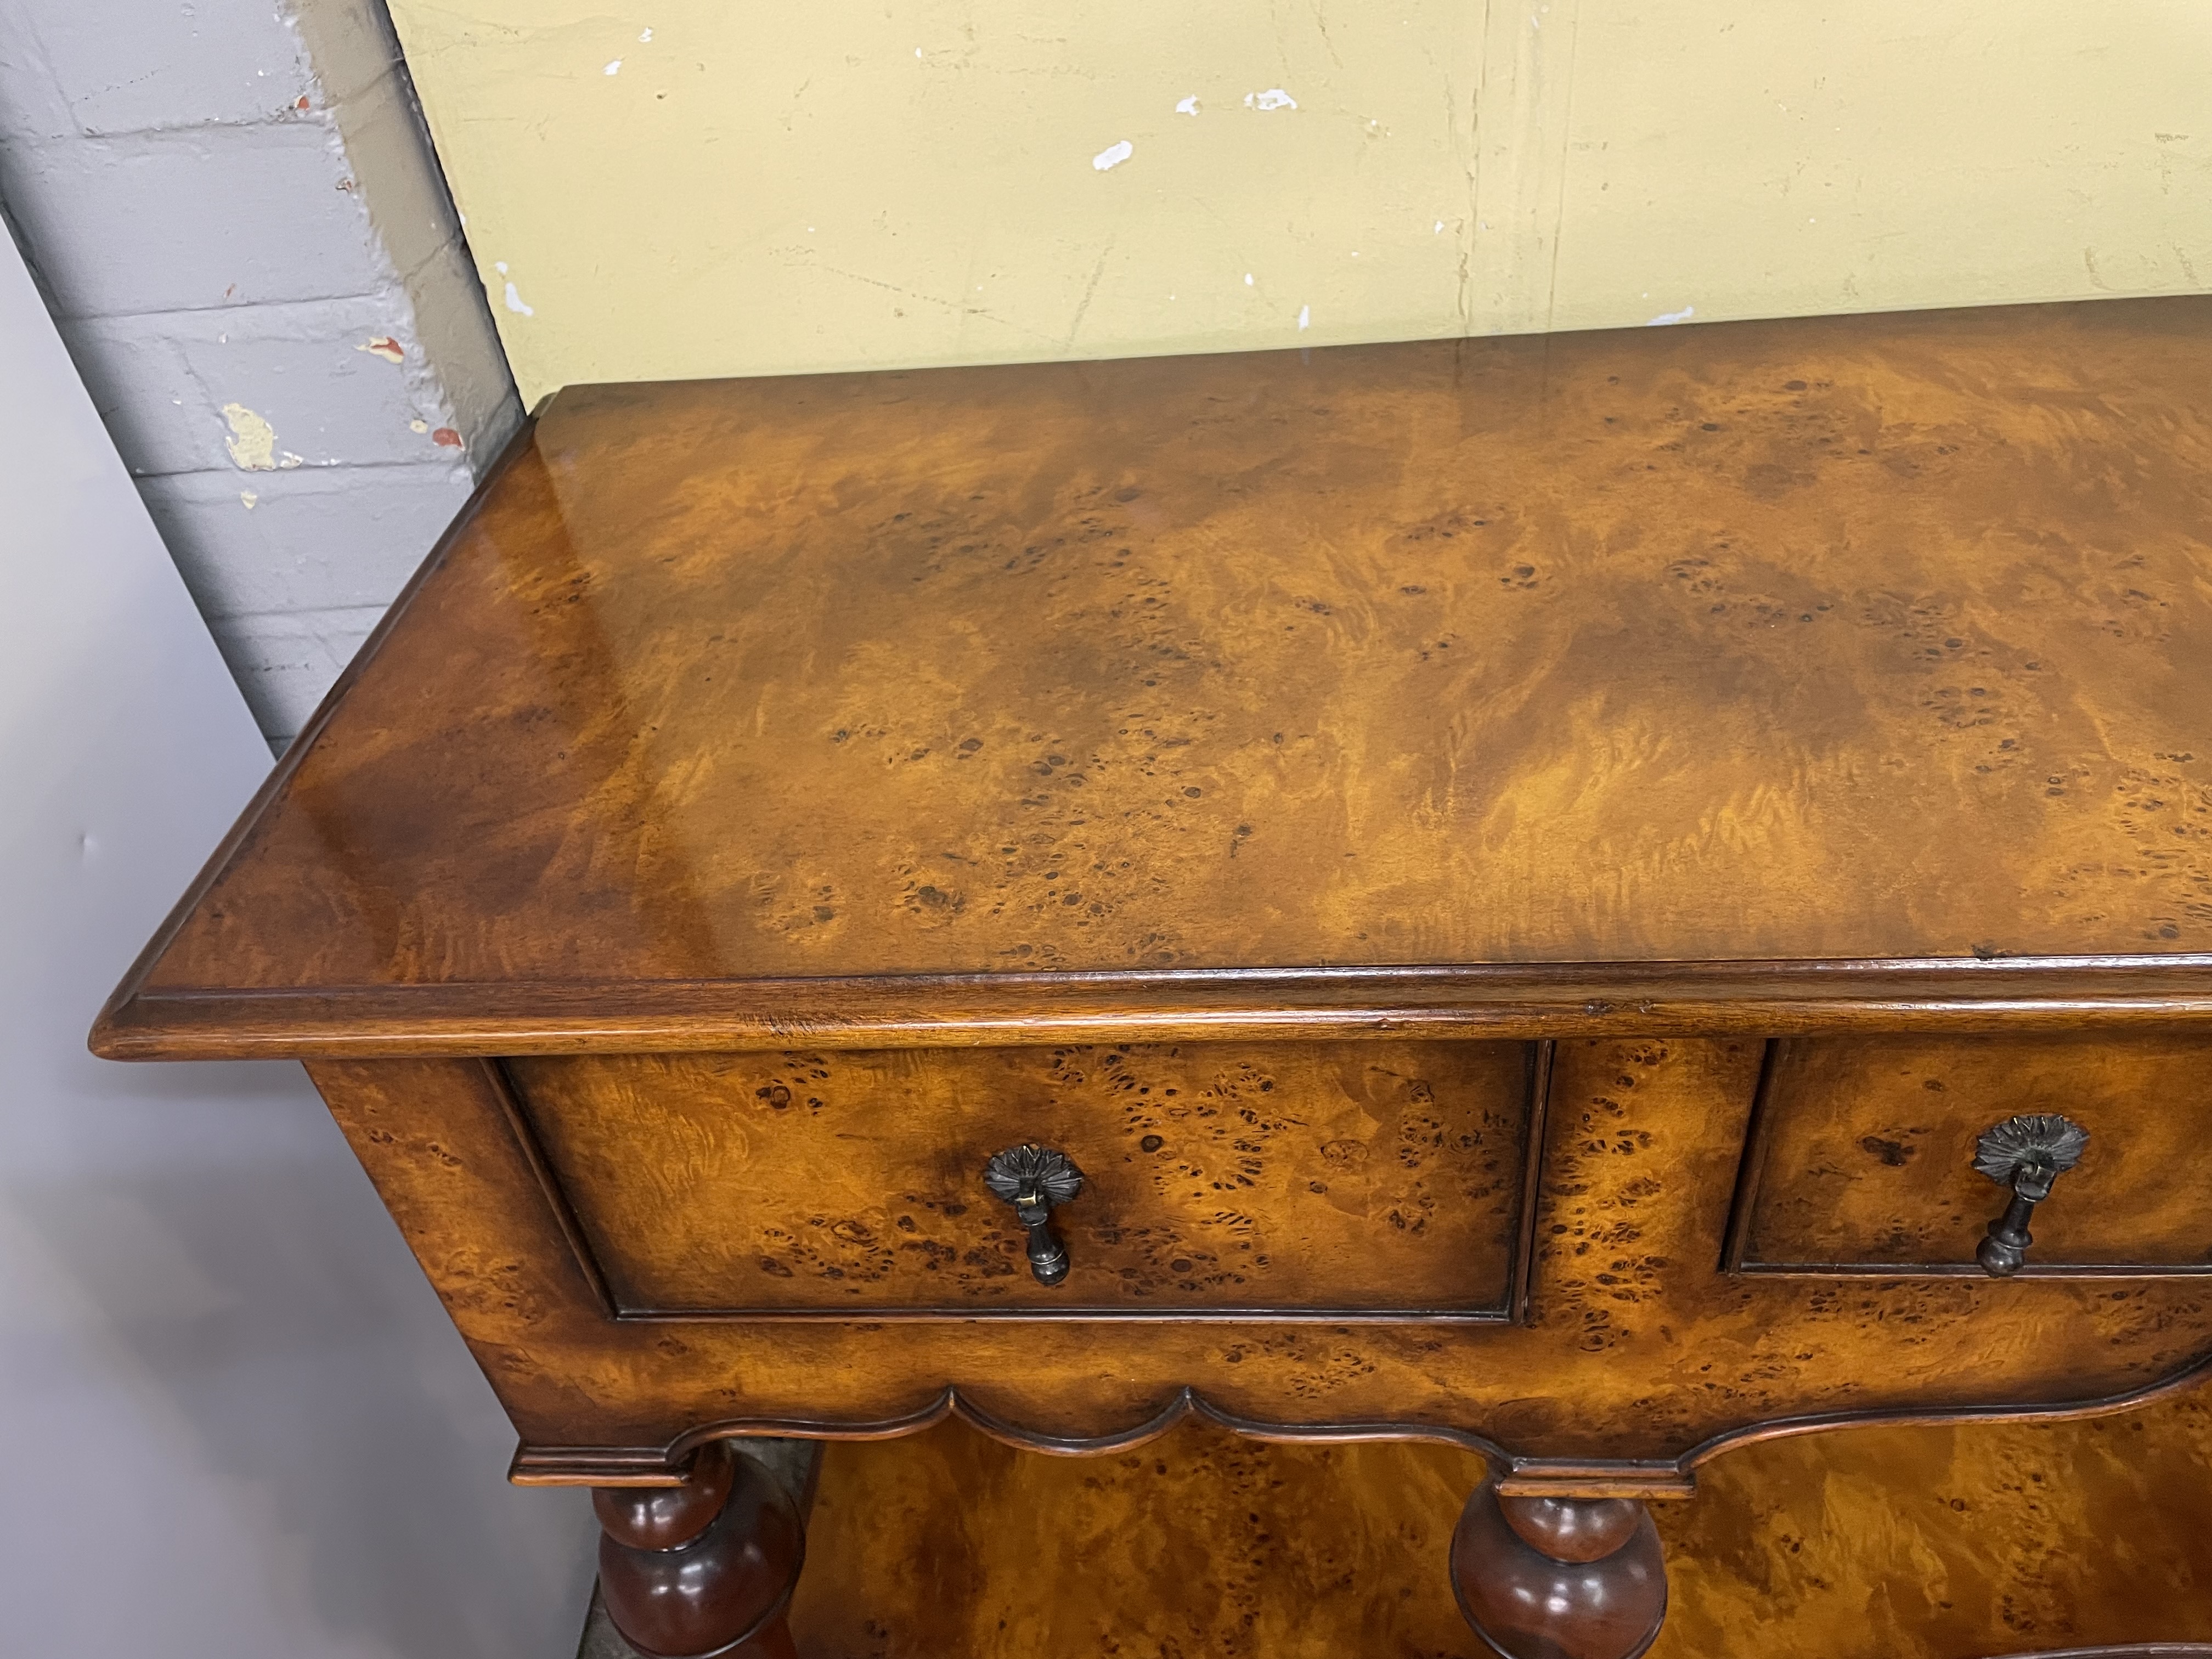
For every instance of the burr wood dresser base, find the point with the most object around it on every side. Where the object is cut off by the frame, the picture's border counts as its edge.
(1594, 897)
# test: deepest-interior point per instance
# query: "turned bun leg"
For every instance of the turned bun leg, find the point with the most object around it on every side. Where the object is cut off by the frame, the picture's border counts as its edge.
(1559, 1577)
(702, 1571)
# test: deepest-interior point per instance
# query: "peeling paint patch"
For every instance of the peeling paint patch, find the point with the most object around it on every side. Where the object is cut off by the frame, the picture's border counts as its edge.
(1113, 156)
(1187, 107)
(252, 440)
(418, 426)
(1274, 97)
(646, 34)
(1305, 318)
(513, 300)
(386, 347)
(1666, 317)
(246, 498)
(447, 438)
(615, 68)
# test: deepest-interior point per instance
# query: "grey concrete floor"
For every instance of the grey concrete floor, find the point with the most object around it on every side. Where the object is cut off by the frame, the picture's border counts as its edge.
(601, 1640)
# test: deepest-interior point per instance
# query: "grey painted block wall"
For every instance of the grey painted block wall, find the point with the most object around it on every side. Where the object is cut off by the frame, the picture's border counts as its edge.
(234, 214)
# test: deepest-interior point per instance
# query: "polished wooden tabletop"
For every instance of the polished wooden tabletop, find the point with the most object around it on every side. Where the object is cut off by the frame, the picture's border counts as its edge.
(1876, 640)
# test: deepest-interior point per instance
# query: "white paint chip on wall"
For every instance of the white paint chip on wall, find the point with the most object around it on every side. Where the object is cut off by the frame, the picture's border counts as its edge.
(1113, 156)
(1305, 318)
(1187, 107)
(513, 300)
(1274, 97)
(1667, 317)
(615, 68)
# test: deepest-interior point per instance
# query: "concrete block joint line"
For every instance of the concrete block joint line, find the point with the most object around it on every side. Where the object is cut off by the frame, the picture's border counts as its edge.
(236, 217)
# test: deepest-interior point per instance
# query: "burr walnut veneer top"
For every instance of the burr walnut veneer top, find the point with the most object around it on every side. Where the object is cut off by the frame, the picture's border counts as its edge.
(1563, 678)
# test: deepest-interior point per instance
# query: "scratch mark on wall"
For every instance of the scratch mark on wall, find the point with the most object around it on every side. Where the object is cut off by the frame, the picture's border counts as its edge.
(1566, 153)
(252, 440)
(1113, 156)
(962, 306)
(1469, 152)
(1089, 288)
(1321, 27)
(1667, 317)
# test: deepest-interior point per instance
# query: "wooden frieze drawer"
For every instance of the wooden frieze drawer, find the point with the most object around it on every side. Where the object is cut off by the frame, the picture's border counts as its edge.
(1336, 1180)
(1864, 1153)
(1596, 898)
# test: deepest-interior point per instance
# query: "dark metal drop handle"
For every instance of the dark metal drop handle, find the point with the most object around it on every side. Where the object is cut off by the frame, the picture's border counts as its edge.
(1033, 1179)
(2026, 1154)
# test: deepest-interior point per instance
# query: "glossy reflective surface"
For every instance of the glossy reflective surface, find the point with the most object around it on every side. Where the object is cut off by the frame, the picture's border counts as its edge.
(1596, 1602)
(1880, 636)
(1570, 1529)
(722, 1592)
(667, 1517)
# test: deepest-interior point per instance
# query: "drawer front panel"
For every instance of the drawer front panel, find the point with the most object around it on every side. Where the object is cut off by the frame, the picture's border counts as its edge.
(1863, 1149)
(1329, 1178)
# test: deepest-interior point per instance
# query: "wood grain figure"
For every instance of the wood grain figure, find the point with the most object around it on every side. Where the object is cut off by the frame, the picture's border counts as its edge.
(1512, 881)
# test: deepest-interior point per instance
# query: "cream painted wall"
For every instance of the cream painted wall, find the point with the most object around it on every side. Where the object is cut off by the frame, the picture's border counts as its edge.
(667, 188)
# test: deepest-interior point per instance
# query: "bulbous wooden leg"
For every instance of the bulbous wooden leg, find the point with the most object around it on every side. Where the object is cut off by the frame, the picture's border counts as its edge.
(702, 1571)
(1559, 1577)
